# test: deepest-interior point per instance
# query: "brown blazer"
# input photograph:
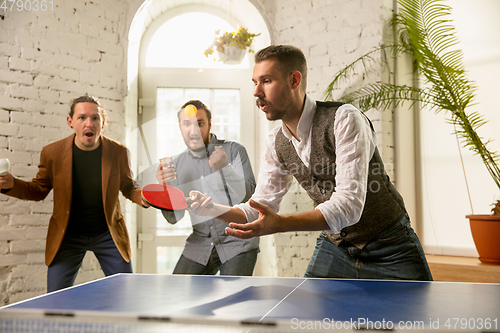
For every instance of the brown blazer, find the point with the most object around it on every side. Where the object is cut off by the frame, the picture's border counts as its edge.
(55, 172)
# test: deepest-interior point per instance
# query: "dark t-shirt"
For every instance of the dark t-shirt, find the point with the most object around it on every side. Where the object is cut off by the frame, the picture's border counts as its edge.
(87, 210)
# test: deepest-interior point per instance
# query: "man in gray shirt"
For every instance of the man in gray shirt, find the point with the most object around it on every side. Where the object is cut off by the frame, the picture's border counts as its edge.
(222, 170)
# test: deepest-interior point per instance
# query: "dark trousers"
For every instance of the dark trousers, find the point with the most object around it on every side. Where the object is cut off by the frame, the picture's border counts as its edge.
(240, 265)
(64, 268)
(394, 254)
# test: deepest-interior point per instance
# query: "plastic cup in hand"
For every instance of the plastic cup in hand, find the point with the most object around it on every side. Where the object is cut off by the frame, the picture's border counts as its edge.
(4, 166)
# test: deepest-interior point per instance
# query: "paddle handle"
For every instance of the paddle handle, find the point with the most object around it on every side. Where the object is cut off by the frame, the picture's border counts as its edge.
(189, 201)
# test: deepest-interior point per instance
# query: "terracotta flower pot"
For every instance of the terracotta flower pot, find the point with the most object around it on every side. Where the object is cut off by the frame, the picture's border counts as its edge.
(486, 234)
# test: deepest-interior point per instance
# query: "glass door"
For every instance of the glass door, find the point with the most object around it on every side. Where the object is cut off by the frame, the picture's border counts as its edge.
(228, 94)
(173, 70)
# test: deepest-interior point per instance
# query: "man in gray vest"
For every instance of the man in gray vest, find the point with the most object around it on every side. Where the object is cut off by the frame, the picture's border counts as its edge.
(330, 148)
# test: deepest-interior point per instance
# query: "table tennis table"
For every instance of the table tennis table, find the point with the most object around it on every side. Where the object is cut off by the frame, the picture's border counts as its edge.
(187, 303)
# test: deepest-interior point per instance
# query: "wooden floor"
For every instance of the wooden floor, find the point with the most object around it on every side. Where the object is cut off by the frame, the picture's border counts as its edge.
(462, 269)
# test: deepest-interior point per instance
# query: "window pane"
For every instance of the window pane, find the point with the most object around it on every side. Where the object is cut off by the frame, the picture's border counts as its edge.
(226, 114)
(180, 42)
(166, 258)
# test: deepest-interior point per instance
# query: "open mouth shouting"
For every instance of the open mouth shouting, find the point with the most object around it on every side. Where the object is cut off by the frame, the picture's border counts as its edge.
(89, 139)
(89, 135)
(196, 142)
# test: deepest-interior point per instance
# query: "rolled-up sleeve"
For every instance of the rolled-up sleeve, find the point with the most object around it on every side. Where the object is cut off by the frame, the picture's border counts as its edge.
(273, 181)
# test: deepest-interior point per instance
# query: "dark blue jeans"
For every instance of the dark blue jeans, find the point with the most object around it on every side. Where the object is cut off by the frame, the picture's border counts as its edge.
(240, 265)
(394, 254)
(64, 268)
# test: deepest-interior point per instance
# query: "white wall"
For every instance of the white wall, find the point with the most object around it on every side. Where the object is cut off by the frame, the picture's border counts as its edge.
(445, 199)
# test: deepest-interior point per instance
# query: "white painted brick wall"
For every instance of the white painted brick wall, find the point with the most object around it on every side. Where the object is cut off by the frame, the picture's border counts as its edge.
(47, 59)
(4, 116)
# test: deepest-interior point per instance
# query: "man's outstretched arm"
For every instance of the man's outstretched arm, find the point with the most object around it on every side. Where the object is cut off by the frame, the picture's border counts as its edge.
(268, 222)
(224, 213)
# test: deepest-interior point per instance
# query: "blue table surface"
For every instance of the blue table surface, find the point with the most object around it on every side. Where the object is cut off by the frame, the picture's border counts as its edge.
(262, 298)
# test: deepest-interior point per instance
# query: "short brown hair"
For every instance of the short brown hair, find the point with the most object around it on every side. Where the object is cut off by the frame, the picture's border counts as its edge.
(87, 99)
(199, 105)
(290, 59)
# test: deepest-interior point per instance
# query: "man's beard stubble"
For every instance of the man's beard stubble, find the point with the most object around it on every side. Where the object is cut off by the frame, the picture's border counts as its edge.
(273, 114)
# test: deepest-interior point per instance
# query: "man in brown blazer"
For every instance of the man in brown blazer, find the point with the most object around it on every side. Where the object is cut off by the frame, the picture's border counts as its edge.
(87, 171)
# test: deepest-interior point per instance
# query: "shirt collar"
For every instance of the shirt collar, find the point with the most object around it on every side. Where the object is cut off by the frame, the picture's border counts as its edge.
(305, 121)
(209, 149)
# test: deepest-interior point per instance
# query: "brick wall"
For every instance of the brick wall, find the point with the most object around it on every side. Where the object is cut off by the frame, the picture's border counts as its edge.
(46, 59)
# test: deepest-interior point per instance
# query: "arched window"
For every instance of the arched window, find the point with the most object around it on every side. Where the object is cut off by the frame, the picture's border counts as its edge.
(172, 70)
(180, 42)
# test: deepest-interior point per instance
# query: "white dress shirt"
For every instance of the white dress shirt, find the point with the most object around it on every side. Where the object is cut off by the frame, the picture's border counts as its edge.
(355, 144)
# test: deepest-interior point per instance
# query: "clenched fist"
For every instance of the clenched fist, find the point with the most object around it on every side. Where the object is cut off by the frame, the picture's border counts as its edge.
(218, 158)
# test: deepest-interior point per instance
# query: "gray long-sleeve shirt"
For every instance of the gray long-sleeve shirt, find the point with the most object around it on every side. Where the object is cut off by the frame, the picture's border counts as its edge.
(231, 184)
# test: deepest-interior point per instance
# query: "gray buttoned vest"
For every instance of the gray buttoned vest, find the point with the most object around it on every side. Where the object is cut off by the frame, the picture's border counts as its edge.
(383, 203)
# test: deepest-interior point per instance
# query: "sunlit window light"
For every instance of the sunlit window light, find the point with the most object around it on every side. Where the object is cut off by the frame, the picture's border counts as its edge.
(180, 42)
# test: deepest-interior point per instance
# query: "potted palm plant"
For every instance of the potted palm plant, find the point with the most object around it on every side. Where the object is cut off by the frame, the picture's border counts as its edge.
(424, 32)
(232, 46)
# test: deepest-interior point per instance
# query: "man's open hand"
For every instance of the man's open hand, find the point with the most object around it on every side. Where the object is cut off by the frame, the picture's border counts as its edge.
(268, 223)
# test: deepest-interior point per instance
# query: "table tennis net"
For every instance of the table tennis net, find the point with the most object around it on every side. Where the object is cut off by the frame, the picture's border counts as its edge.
(37, 322)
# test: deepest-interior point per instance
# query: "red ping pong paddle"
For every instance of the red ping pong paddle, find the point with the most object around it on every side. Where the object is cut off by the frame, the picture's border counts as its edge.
(166, 197)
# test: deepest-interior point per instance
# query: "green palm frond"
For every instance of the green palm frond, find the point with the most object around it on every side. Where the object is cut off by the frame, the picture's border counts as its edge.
(425, 31)
(466, 129)
(386, 95)
(363, 66)
(431, 37)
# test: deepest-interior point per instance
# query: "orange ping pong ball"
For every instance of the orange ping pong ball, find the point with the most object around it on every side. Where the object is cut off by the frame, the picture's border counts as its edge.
(190, 110)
